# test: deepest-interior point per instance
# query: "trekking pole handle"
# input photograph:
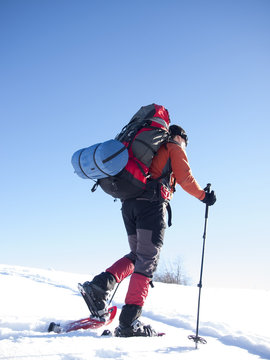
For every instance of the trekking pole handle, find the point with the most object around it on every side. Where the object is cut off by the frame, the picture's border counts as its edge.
(207, 190)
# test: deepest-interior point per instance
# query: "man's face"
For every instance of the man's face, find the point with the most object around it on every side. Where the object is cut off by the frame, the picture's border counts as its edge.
(181, 141)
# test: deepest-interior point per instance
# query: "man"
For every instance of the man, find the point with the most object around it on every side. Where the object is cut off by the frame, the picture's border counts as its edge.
(145, 222)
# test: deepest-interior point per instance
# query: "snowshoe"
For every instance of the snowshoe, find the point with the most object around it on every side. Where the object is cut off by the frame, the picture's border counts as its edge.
(83, 324)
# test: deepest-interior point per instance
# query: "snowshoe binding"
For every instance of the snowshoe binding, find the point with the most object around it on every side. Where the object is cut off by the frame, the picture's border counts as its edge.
(137, 328)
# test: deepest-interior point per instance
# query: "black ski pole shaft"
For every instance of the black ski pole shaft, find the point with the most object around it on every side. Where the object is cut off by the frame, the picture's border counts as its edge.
(197, 338)
(114, 293)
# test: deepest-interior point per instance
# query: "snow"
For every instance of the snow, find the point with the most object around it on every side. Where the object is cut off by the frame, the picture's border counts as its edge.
(234, 322)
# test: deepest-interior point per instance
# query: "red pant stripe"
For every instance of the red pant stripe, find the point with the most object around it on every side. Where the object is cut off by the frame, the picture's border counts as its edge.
(137, 290)
(121, 269)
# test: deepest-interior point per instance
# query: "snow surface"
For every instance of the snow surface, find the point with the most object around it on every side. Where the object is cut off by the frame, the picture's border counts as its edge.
(234, 322)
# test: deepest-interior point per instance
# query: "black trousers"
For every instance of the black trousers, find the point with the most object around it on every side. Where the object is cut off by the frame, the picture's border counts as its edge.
(145, 223)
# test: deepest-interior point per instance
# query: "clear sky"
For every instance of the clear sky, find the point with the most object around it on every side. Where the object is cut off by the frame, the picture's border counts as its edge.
(74, 72)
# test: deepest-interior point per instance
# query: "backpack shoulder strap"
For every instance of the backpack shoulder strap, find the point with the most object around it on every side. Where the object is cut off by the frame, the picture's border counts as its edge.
(173, 142)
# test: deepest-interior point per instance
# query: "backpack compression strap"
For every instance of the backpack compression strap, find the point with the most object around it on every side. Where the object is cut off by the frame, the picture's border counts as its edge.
(107, 159)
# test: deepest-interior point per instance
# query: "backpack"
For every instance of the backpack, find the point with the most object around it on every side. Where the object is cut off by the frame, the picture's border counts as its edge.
(139, 141)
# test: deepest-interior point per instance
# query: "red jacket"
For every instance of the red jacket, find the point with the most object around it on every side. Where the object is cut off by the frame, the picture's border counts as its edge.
(181, 172)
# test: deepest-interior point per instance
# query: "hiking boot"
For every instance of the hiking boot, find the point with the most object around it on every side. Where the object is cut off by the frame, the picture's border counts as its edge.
(137, 328)
(97, 293)
(130, 325)
(97, 299)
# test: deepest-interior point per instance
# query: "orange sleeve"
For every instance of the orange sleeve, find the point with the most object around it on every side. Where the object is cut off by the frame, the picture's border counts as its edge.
(182, 172)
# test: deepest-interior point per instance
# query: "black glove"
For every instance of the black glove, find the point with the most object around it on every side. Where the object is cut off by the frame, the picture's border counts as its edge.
(210, 198)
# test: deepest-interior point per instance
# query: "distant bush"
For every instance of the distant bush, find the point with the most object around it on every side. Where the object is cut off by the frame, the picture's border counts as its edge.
(171, 273)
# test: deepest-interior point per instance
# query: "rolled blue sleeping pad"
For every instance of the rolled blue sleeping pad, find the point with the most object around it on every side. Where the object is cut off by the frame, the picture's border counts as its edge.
(100, 160)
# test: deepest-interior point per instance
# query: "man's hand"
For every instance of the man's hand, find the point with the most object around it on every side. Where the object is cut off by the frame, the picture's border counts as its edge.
(210, 198)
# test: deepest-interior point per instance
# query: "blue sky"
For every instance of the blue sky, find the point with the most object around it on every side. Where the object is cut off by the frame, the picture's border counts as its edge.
(74, 72)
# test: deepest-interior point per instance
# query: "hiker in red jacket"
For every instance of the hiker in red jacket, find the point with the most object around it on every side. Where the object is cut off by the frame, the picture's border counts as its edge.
(145, 222)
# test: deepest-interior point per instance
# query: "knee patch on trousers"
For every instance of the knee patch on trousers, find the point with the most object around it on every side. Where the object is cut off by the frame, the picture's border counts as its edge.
(147, 253)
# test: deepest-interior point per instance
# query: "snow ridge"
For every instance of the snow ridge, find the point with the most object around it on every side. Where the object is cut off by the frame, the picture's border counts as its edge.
(233, 321)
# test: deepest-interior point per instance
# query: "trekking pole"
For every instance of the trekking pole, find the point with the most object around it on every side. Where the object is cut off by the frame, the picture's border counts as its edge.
(196, 338)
